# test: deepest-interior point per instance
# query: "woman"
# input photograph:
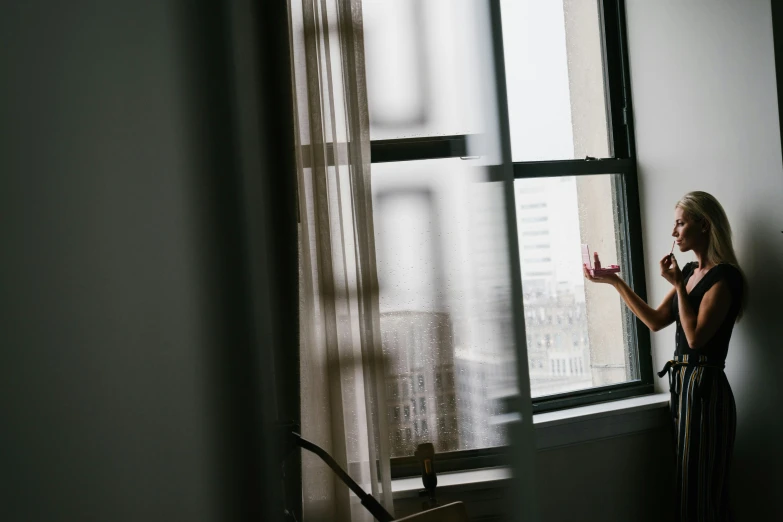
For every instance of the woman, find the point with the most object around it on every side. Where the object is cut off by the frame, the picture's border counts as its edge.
(705, 301)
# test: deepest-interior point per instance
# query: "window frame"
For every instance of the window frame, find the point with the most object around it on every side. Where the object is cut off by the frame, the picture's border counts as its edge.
(622, 163)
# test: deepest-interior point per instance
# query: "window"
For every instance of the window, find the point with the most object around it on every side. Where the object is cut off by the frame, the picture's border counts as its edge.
(538, 259)
(571, 140)
(392, 391)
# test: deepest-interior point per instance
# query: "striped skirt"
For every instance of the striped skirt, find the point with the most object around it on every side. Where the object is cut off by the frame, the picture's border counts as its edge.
(705, 420)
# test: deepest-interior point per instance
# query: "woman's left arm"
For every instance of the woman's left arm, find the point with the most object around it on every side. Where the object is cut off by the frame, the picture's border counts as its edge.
(713, 310)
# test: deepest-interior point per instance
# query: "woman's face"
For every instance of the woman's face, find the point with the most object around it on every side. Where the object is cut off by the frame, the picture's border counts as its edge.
(687, 233)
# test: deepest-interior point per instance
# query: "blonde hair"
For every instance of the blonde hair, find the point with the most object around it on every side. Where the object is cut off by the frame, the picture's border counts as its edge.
(704, 208)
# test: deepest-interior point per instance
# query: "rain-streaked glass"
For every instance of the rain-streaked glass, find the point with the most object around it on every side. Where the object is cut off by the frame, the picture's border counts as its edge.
(425, 74)
(446, 321)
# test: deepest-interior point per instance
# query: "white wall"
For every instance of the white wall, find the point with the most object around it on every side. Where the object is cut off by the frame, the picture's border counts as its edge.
(705, 105)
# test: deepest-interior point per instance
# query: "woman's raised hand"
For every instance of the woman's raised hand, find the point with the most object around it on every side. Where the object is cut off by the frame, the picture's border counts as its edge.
(611, 279)
(670, 270)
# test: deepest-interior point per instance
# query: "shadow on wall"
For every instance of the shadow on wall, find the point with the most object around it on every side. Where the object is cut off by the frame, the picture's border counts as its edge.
(754, 369)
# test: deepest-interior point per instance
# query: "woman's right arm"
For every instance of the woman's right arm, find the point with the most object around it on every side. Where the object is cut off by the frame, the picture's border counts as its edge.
(655, 318)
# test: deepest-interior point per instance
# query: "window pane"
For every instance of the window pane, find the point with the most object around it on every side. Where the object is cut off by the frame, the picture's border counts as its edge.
(555, 79)
(444, 300)
(578, 333)
(421, 67)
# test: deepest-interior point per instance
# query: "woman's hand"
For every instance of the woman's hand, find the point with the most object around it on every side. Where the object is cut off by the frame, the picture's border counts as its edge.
(611, 279)
(670, 270)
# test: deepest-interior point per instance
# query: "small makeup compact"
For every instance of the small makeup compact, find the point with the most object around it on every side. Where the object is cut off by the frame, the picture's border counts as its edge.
(594, 265)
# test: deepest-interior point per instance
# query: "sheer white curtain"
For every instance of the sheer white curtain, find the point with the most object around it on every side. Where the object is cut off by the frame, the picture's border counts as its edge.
(341, 357)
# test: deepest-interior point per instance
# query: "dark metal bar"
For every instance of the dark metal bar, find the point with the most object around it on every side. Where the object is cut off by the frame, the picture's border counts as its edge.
(449, 461)
(595, 395)
(410, 149)
(406, 149)
(777, 38)
(625, 74)
(545, 169)
(617, 78)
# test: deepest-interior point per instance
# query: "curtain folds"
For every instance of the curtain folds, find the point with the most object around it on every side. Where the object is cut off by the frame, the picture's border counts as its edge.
(342, 384)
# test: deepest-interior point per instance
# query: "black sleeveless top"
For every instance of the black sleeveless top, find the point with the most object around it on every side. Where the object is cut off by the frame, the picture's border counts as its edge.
(718, 347)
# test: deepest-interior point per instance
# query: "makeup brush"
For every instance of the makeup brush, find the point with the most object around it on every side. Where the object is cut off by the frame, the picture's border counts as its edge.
(673, 243)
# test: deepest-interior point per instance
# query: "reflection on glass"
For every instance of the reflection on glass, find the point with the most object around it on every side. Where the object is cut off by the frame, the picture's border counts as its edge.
(423, 75)
(576, 334)
(444, 301)
(555, 79)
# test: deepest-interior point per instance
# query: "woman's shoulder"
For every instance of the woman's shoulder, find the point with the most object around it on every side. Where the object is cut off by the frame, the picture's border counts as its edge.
(689, 267)
(728, 271)
(731, 274)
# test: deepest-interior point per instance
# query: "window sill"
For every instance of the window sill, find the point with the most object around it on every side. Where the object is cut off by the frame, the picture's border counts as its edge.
(555, 429)
(599, 421)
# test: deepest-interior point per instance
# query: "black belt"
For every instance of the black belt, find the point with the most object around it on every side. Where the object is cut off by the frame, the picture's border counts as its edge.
(681, 361)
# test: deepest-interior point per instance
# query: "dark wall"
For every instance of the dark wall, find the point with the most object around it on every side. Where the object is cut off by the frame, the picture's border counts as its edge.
(133, 385)
(758, 456)
(622, 478)
(614, 479)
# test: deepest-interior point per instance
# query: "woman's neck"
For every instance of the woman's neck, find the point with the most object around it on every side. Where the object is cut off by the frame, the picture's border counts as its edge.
(701, 258)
